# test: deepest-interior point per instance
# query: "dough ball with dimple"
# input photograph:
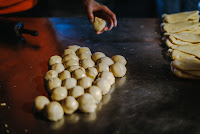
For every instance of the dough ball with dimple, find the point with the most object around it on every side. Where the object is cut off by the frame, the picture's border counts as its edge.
(118, 69)
(40, 103)
(108, 76)
(68, 51)
(69, 83)
(71, 63)
(120, 59)
(99, 24)
(58, 67)
(50, 74)
(55, 59)
(53, 83)
(83, 50)
(54, 111)
(78, 74)
(64, 75)
(97, 55)
(73, 47)
(69, 57)
(91, 72)
(103, 84)
(84, 56)
(96, 93)
(59, 93)
(76, 91)
(69, 105)
(87, 63)
(85, 82)
(102, 67)
(105, 60)
(87, 103)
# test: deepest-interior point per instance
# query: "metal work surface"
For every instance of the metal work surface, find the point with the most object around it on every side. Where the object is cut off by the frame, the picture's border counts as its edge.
(148, 100)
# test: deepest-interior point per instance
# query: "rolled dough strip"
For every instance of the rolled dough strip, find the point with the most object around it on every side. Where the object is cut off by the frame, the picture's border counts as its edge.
(193, 38)
(178, 55)
(186, 64)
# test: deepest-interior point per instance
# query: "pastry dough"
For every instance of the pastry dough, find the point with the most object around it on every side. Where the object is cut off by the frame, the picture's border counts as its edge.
(73, 47)
(103, 84)
(96, 93)
(59, 93)
(120, 59)
(178, 55)
(85, 63)
(97, 55)
(99, 24)
(193, 38)
(64, 75)
(118, 69)
(186, 64)
(40, 103)
(55, 59)
(69, 83)
(85, 82)
(76, 91)
(91, 72)
(70, 105)
(50, 74)
(105, 60)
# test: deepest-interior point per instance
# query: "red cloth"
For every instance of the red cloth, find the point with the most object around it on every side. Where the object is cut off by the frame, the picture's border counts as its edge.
(13, 6)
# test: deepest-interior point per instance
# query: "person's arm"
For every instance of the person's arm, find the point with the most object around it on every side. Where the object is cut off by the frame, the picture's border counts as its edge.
(94, 8)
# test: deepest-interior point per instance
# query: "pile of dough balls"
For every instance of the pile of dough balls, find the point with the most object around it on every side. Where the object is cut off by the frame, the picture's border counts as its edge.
(78, 80)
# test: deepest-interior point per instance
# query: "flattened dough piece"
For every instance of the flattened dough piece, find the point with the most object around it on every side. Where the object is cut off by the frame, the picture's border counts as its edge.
(182, 16)
(178, 42)
(178, 55)
(187, 37)
(186, 64)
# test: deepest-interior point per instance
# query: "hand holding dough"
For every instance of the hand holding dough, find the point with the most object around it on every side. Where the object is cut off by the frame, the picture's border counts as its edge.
(99, 24)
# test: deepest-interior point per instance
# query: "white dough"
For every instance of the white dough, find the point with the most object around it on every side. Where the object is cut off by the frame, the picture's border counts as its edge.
(69, 105)
(55, 59)
(59, 93)
(99, 24)
(73, 67)
(108, 76)
(83, 50)
(64, 75)
(68, 51)
(69, 83)
(76, 91)
(53, 83)
(102, 67)
(85, 63)
(97, 55)
(58, 67)
(85, 82)
(50, 74)
(78, 74)
(105, 60)
(71, 63)
(73, 47)
(40, 103)
(103, 84)
(91, 72)
(118, 69)
(120, 59)
(84, 56)
(69, 57)
(96, 93)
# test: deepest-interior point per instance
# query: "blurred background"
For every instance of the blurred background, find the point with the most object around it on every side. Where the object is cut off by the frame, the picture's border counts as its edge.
(122, 8)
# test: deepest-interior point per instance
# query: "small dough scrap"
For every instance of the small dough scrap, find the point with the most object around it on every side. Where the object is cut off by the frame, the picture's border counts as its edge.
(64, 75)
(83, 50)
(83, 56)
(73, 47)
(53, 83)
(50, 74)
(118, 69)
(186, 64)
(54, 111)
(55, 59)
(99, 24)
(102, 67)
(40, 103)
(103, 84)
(71, 63)
(59, 93)
(96, 93)
(97, 55)
(69, 83)
(120, 59)
(69, 57)
(73, 67)
(108, 76)
(70, 105)
(85, 82)
(105, 60)
(68, 51)
(85, 63)
(76, 91)
(91, 72)
(58, 67)
(78, 74)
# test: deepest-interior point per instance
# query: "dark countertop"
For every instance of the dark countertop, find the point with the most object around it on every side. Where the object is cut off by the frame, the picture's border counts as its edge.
(148, 100)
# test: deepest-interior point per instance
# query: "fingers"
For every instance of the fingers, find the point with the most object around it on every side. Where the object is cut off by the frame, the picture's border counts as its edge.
(111, 14)
(105, 29)
(90, 14)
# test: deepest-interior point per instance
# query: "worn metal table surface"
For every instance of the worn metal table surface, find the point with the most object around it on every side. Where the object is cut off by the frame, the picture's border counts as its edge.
(149, 99)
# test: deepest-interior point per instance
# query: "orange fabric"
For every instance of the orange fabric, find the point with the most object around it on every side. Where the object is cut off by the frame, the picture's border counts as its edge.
(12, 6)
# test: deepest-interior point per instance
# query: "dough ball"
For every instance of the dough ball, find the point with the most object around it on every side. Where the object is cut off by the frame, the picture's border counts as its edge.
(85, 82)
(87, 63)
(87, 103)
(69, 105)
(73, 47)
(120, 59)
(99, 24)
(58, 67)
(102, 67)
(91, 72)
(97, 55)
(55, 59)
(70, 57)
(69, 83)
(84, 56)
(73, 67)
(59, 93)
(68, 51)
(78, 74)
(76, 91)
(54, 111)
(105, 60)
(103, 84)
(96, 93)
(40, 103)
(118, 69)
(64, 75)
(53, 83)
(50, 74)
(108, 76)
(71, 63)
(83, 50)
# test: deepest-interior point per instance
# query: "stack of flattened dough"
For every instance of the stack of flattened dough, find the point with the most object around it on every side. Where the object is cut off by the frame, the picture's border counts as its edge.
(78, 80)
(182, 34)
